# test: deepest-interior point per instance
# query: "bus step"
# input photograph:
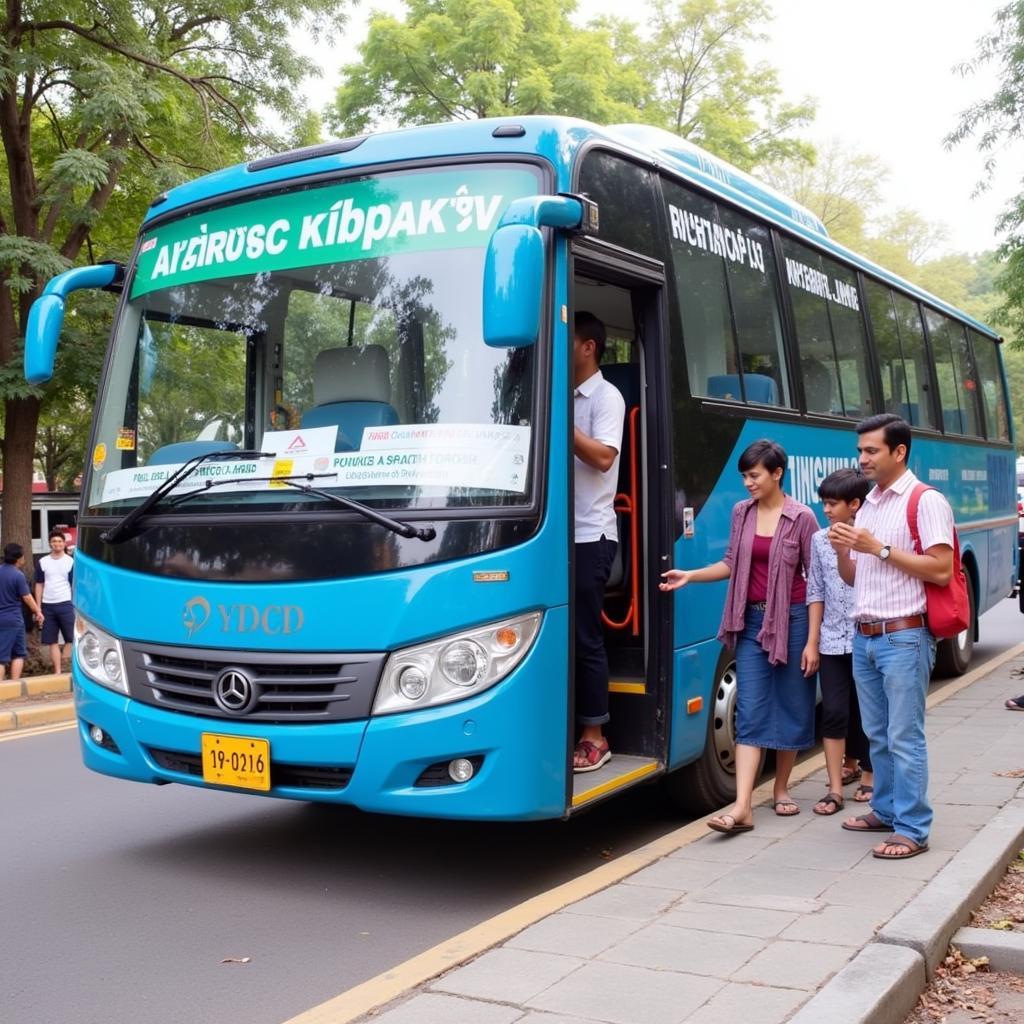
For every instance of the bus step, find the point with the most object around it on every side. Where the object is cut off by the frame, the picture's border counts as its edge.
(622, 771)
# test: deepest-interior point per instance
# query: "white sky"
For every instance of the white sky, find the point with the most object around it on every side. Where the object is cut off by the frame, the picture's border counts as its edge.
(882, 73)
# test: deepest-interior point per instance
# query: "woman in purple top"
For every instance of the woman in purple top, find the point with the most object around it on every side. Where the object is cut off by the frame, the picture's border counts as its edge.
(765, 620)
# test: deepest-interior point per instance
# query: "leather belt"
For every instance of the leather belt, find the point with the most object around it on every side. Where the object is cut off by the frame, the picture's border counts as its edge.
(891, 625)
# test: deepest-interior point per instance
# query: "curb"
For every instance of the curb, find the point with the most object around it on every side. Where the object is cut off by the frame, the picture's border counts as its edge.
(28, 716)
(1005, 950)
(881, 984)
(34, 686)
(928, 922)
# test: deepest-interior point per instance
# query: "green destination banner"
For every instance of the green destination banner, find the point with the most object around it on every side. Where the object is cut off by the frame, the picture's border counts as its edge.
(396, 213)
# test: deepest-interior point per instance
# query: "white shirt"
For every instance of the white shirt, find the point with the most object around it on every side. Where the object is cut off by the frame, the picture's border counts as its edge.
(55, 575)
(881, 591)
(598, 411)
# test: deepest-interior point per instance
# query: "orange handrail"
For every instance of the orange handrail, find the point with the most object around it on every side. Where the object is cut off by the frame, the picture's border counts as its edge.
(628, 505)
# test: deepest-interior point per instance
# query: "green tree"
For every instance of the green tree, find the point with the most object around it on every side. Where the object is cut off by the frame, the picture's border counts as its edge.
(465, 59)
(101, 107)
(996, 123)
(705, 90)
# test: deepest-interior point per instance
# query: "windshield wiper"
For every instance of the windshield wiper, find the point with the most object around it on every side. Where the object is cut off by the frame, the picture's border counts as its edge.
(120, 530)
(395, 525)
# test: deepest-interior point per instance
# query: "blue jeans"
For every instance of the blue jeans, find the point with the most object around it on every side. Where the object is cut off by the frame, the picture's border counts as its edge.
(892, 673)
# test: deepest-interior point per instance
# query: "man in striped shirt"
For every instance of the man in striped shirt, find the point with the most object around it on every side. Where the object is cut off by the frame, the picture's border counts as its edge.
(893, 651)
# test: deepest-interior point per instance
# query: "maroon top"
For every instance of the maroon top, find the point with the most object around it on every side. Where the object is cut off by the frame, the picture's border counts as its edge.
(788, 558)
(757, 589)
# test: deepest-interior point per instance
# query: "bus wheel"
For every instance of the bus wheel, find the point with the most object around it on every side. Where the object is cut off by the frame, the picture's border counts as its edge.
(953, 656)
(710, 782)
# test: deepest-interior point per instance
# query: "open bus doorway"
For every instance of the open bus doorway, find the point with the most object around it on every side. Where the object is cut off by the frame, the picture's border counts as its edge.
(636, 629)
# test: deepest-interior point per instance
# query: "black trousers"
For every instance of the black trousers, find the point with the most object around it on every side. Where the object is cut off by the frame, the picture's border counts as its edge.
(840, 712)
(593, 564)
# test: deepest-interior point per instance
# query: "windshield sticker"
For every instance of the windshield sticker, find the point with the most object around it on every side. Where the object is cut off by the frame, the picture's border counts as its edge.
(292, 443)
(125, 439)
(99, 455)
(479, 456)
(332, 224)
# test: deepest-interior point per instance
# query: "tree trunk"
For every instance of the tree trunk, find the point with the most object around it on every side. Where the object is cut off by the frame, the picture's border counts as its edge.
(21, 418)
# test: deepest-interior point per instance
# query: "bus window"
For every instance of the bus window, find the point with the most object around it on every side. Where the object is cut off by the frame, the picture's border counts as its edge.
(895, 397)
(830, 333)
(724, 272)
(915, 359)
(955, 373)
(990, 385)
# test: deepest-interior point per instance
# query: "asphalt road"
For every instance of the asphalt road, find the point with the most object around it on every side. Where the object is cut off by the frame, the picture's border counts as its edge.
(119, 902)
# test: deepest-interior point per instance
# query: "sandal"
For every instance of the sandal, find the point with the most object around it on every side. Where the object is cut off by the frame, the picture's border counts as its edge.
(593, 756)
(1014, 704)
(851, 775)
(786, 803)
(832, 802)
(870, 822)
(862, 794)
(728, 825)
(908, 847)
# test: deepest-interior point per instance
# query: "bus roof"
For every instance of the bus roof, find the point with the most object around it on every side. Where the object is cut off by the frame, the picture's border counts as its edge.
(557, 140)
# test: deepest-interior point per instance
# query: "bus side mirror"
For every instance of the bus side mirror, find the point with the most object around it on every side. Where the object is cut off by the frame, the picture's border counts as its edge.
(514, 265)
(46, 317)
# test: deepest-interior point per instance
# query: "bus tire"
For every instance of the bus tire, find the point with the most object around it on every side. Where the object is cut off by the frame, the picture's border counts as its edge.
(709, 783)
(953, 656)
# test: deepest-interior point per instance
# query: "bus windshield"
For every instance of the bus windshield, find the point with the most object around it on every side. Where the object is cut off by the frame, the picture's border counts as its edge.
(335, 328)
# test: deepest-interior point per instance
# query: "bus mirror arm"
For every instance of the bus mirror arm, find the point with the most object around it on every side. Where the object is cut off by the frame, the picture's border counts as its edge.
(46, 317)
(514, 264)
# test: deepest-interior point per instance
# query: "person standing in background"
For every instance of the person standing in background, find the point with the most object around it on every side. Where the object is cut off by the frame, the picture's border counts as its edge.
(53, 594)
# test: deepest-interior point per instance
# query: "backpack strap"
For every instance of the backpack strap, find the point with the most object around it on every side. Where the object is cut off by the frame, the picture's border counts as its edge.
(915, 500)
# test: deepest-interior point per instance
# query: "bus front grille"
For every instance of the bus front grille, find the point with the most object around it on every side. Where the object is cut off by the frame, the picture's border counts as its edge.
(254, 685)
(293, 776)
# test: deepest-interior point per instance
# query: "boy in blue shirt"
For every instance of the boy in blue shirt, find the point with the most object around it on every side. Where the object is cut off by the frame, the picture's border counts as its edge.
(830, 606)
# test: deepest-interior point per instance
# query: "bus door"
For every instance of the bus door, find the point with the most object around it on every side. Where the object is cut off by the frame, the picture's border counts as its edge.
(626, 292)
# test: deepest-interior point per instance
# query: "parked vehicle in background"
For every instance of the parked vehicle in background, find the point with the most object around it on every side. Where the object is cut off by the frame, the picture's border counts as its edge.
(326, 543)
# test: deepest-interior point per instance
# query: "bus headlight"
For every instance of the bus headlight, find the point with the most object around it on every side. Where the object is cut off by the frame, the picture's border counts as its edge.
(99, 655)
(454, 667)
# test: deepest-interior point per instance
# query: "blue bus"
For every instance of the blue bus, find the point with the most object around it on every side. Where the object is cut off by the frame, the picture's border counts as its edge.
(325, 539)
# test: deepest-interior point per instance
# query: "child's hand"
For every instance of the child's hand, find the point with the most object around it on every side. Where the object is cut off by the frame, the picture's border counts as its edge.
(809, 660)
(674, 579)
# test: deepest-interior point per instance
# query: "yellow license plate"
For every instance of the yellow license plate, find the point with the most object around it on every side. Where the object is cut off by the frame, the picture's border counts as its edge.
(240, 761)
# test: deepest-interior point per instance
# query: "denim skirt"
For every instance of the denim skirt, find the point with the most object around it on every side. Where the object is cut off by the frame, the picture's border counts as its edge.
(774, 703)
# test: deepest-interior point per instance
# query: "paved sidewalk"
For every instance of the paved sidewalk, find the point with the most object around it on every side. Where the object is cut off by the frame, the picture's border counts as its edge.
(741, 929)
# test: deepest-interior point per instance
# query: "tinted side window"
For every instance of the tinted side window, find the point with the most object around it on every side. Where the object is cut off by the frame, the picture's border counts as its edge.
(902, 357)
(954, 370)
(725, 279)
(991, 386)
(627, 200)
(830, 333)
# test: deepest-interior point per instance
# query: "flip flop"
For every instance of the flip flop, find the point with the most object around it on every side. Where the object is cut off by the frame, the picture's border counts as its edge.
(834, 801)
(903, 843)
(786, 803)
(717, 823)
(862, 794)
(872, 823)
(1013, 705)
(851, 775)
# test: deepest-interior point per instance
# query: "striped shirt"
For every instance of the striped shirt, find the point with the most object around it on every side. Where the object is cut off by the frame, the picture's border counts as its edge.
(881, 591)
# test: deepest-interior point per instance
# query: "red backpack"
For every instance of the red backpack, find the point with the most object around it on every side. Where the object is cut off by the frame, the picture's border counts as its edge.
(949, 609)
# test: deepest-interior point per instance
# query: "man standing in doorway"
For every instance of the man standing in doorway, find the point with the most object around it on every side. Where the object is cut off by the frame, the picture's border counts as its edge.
(893, 651)
(598, 414)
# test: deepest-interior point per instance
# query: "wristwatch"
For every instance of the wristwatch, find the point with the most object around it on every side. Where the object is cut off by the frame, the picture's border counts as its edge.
(885, 552)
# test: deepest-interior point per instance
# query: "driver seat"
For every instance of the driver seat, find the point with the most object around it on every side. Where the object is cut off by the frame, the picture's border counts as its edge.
(351, 391)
